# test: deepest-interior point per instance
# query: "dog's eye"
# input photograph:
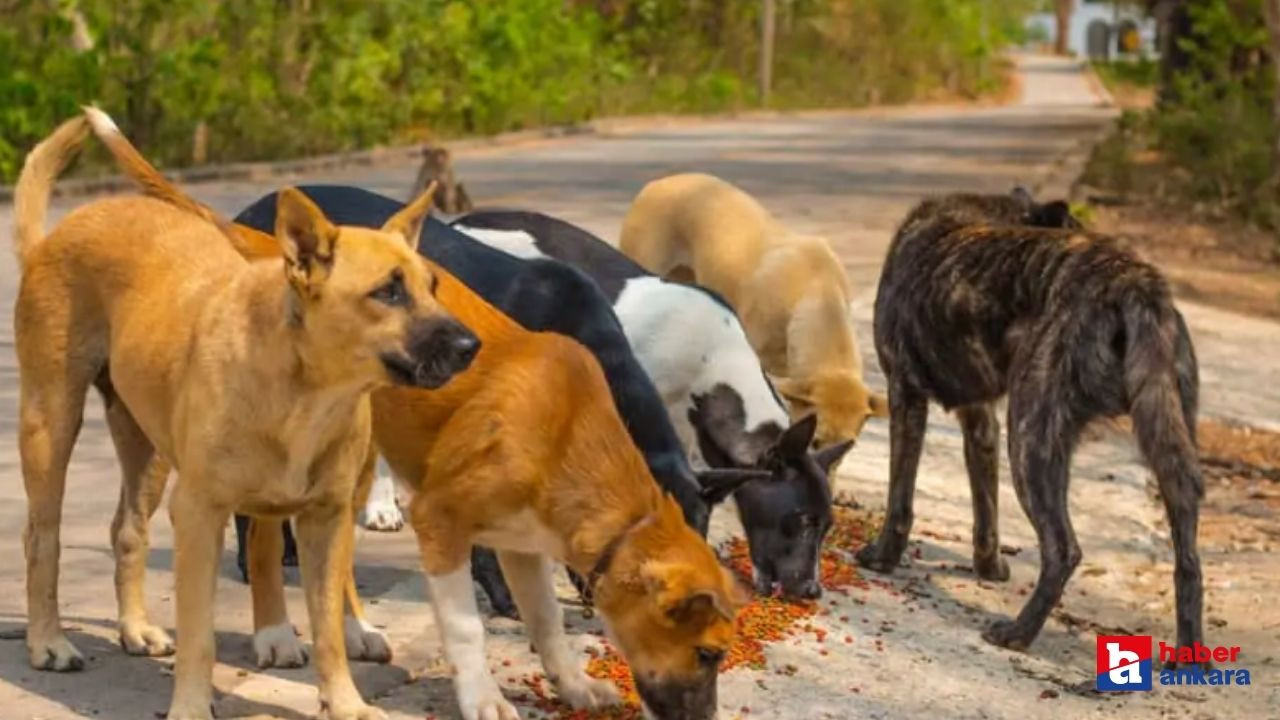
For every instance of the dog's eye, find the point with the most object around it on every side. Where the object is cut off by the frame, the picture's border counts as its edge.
(392, 292)
(710, 657)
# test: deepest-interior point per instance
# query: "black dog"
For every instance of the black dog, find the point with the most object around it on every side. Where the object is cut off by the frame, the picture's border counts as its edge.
(693, 347)
(543, 295)
(987, 295)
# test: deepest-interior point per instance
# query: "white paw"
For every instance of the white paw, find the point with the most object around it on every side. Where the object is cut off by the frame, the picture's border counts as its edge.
(584, 692)
(142, 638)
(279, 646)
(56, 653)
(381, 511)
(486, 704)
(364, 641)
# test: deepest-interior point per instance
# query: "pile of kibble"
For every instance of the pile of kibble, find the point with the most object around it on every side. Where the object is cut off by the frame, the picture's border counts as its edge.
(764, 621)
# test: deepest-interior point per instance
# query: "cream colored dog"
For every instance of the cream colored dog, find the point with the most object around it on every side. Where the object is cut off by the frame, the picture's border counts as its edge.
(252, 379)
(789, 290)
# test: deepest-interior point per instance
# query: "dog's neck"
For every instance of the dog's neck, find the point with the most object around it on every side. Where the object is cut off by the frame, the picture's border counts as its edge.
(280, 355)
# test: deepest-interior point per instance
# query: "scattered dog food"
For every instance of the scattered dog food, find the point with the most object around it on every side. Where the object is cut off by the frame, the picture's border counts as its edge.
(763, 622)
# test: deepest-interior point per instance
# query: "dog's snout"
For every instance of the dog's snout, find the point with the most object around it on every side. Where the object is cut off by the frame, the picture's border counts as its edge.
(465, 347)
(435, 350)
(809, 590)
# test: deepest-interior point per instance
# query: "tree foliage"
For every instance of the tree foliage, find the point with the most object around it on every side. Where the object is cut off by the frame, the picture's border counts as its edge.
(278, 78)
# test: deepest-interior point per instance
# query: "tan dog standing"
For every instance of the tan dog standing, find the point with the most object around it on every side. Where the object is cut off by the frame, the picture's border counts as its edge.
(790, 291)
(252, 379)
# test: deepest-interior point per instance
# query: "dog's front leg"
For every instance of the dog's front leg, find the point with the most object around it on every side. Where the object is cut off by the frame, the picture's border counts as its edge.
(325, 534)
(909, 414)
(197, 528)
(531, 584)
(275, 643)
(462, 630)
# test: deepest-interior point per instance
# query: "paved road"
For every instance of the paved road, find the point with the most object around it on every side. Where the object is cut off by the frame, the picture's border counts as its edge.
(850, 176)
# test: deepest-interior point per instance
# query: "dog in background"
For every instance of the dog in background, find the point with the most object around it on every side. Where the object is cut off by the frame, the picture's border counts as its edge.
(252, 379)
(790, 291)
(437, 167)
(724, 409)
(990, 295)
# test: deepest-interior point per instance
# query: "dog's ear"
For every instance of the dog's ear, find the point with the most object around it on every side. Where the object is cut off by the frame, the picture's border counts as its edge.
(1056, 214)
(408, 222)
(879, 405)
(1023, 197)
(794, 441)
(719, 416)
(681, 600)
(718, 484)
(306, 238)
(828, 456)
(794, 391)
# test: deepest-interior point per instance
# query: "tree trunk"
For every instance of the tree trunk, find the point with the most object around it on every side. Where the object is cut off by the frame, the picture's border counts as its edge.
(766, 50)
(1272, 11)
(1062, 13)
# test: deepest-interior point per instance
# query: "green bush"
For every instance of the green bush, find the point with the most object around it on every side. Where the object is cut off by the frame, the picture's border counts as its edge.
(278, 78)
(1216, 123)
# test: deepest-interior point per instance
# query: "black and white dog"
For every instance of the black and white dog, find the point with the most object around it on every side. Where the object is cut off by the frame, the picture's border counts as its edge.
(723, 407)
(543, 295)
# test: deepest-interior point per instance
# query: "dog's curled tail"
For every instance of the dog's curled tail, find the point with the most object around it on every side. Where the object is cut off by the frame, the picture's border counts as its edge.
(35, 184)
(153, 184)
(1160, 377)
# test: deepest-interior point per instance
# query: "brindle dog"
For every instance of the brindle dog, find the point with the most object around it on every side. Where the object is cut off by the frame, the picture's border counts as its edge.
(987, 295)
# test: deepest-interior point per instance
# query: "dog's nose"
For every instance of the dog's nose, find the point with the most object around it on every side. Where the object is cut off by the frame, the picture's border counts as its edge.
(465, 347)
(810, 590)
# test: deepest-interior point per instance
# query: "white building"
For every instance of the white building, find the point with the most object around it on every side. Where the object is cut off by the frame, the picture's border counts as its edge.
(1102, 30)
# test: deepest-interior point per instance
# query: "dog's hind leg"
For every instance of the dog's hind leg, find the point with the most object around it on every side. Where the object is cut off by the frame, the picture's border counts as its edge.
(51, 410)
(145, 474)
(982, 460)
(908, 416)
(1042, 436)
(531, 584)
(275, 642)
(1163, 408)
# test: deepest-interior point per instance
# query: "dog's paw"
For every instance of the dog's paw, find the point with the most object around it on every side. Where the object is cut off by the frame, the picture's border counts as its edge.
(364, 641)
(1007, 634)
(142, 638)
(381, 512)
(56, 654)
(584, 692)
(871, 557)
(278, 646)
(357, 710)
(995, 569)
(485, 703)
